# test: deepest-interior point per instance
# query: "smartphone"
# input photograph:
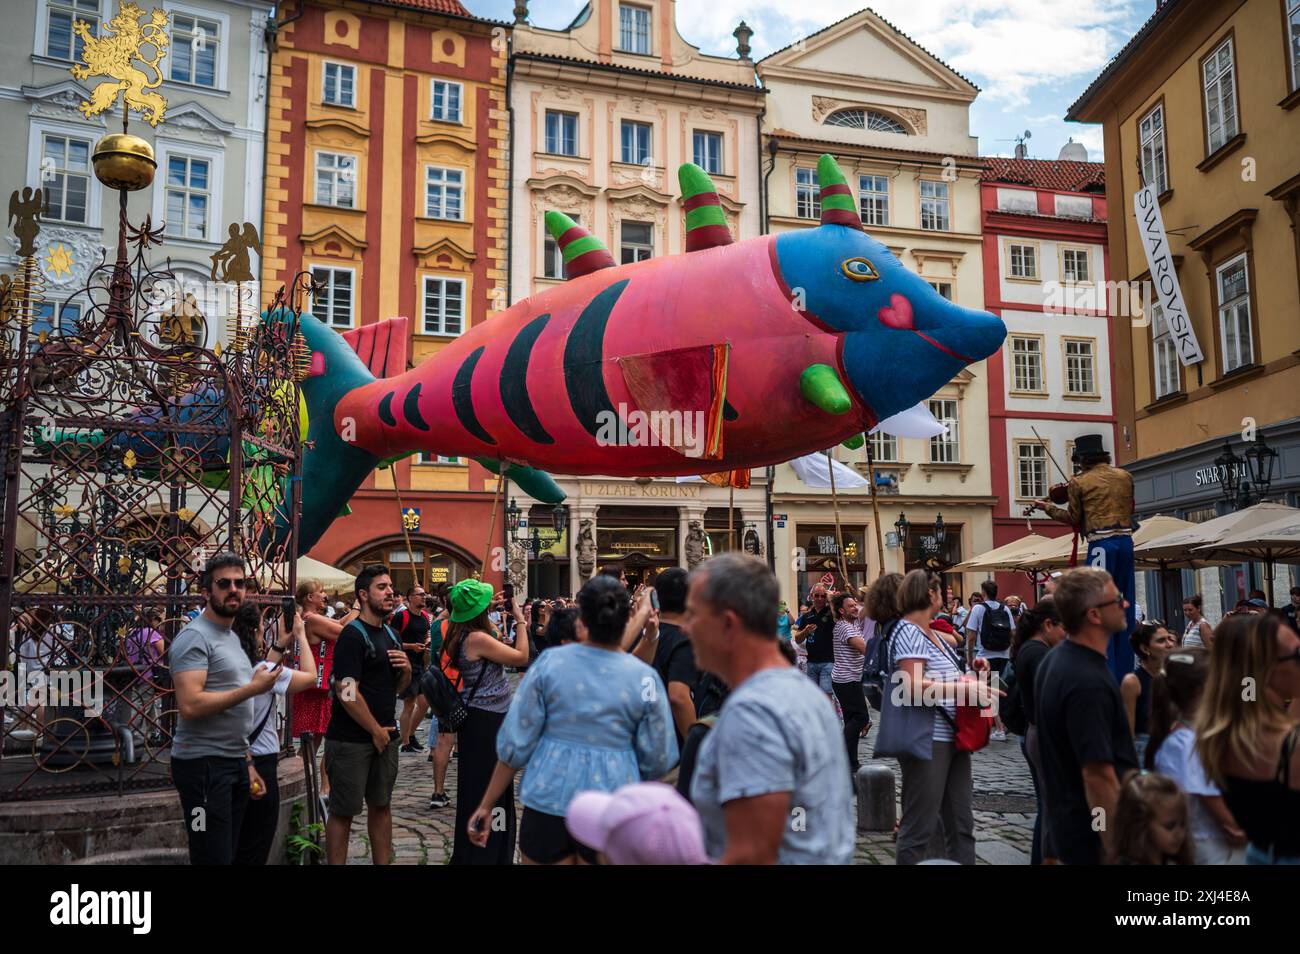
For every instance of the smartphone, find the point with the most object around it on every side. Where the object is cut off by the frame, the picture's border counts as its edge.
(654, 600)
(508, 592)
(290, 609)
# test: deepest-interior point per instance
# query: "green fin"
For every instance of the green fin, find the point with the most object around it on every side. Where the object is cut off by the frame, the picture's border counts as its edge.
(854, 442)
(820, 384)
(536, 483)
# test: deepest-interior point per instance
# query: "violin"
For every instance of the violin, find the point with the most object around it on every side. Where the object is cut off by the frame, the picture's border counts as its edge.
(1058, 494)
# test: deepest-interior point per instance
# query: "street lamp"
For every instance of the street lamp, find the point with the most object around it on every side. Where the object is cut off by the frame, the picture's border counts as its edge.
(900, 525)
(512, 517)
(940, 531)
(1260, 459)
(1227, 463)
(559, 519)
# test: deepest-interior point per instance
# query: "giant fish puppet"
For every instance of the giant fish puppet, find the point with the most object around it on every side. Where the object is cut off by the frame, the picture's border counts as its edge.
(779, 345)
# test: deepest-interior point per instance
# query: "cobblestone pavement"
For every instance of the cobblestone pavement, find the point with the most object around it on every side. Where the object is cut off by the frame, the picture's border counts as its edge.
(1003, 802)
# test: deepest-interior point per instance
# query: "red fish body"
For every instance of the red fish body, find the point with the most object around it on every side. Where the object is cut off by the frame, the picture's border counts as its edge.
(730, 295)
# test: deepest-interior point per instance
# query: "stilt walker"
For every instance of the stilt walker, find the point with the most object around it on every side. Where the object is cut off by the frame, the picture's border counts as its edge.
(1101, 507)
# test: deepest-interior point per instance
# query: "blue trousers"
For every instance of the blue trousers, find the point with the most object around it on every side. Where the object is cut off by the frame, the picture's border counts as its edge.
(1115, 556)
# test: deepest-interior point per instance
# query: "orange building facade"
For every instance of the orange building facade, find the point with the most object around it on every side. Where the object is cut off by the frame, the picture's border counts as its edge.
(387, 181)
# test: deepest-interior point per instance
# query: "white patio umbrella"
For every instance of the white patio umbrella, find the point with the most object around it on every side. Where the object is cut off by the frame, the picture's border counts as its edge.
(1277, 541)
(1175, 549)
(999, 557)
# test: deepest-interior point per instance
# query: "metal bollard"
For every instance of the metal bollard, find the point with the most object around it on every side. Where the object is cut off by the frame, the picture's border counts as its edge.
(876, 809)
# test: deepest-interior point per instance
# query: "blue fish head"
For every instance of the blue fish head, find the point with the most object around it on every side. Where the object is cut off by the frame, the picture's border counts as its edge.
(903, 341)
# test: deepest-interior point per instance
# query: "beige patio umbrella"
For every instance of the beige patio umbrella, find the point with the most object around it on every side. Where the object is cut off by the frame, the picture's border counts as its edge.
(998, 559)
(1056, 555)
(1174, 550)
(331, 578)
(1277, 541)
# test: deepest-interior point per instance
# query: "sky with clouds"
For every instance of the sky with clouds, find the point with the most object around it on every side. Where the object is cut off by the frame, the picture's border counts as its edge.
(1030, 58)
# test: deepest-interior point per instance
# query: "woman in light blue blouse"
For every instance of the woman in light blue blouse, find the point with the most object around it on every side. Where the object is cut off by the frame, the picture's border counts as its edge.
(586, 716)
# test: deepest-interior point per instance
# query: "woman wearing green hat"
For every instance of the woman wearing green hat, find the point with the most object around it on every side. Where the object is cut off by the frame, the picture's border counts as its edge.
(475, 648)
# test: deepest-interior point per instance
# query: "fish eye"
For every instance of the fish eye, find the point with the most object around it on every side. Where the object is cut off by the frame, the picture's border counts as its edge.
(860, 270)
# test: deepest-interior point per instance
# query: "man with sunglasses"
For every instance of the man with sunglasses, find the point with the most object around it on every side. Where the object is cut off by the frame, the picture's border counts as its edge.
(215, 685)
(1084, 742)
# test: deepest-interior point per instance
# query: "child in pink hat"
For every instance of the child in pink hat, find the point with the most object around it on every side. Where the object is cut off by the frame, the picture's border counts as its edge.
(649, 823)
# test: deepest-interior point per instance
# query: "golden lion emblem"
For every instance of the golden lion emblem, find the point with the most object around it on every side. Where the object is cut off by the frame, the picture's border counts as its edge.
(112, 55)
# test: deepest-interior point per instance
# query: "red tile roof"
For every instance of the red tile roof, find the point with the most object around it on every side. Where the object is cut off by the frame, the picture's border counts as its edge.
(453, 7)
(1060, 175)
(636, 71)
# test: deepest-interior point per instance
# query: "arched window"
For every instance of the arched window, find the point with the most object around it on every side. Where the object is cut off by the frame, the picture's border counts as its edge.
(865, 119)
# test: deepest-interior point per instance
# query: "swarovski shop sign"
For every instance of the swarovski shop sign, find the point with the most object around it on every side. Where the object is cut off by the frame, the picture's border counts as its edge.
(1168, 294)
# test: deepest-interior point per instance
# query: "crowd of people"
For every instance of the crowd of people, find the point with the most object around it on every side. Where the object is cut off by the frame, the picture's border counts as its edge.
(699, 721)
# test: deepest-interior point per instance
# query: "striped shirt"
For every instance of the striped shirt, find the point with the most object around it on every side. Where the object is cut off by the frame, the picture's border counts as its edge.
(911, 642)
(848, 661)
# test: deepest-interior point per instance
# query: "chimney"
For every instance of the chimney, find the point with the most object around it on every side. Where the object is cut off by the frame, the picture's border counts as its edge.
(742, 35)
(1022, 151)
(521, 11)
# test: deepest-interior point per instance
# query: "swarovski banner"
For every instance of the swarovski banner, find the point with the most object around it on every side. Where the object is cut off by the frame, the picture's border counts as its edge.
(1168, 294)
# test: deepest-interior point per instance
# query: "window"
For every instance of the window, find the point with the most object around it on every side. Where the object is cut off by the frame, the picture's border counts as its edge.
(428, 458)
(708, 151)
(445, 98)
(1031, 471)
(1151, 141)
(633, 29)
(444, 306)
(934, 205)
(945, 448)
(1234, 314)
(552, 257)
(193, 50)
(1293, 43)
(60, 41)
(1080, 366)
(884, 448)
(865, 119)
(873, 199)
(1220, 95)
(189, 195)
(636, 142)
(1074, 265)
(943, 288)
(332, 302)
(561, 133)
(807, 196)
(53, 318)
(444, 193)
(1026, 363)
(340, 84)
(637, 242)
(1164, 355)
(65, 172)
(336, 179)
(1022, 261)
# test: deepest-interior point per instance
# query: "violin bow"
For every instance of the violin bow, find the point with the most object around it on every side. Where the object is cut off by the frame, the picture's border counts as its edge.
(1048, 451)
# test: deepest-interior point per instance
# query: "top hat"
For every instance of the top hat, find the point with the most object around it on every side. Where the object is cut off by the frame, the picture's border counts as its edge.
(1088, 445)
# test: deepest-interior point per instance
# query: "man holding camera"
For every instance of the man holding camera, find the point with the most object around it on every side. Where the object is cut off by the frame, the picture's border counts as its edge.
(361, 743)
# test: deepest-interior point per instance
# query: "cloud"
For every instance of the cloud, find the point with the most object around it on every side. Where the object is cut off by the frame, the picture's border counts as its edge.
(1009, 47)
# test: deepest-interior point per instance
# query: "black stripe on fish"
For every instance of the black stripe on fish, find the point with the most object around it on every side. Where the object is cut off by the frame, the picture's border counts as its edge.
(411, 408)
(729, 413)
(386, 409)
(514, 383)
(462, 399)
(584, 360)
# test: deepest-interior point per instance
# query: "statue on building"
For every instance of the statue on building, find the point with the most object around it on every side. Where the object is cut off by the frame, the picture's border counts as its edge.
(696, 544)
(586, 548)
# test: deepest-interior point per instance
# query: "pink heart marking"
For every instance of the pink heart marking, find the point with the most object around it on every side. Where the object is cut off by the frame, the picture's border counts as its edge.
(898, 315)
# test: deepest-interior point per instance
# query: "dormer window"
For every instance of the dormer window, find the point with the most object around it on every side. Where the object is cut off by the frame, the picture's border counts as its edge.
(633, 29)
(867, 119)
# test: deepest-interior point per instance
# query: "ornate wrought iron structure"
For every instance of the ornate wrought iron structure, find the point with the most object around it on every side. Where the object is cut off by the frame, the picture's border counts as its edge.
(164, 426)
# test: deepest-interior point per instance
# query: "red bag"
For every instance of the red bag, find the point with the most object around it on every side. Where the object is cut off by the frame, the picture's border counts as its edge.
(974, 723)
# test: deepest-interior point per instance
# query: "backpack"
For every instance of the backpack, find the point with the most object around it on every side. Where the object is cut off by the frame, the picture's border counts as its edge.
(1012, 708)
(876, 665)
(995, 629)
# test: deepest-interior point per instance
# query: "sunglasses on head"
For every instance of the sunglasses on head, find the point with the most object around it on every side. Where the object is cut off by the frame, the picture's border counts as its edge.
(227, 583)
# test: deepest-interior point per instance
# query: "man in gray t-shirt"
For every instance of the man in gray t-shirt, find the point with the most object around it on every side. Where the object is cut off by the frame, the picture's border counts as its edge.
(215, 685)
(770, 781)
